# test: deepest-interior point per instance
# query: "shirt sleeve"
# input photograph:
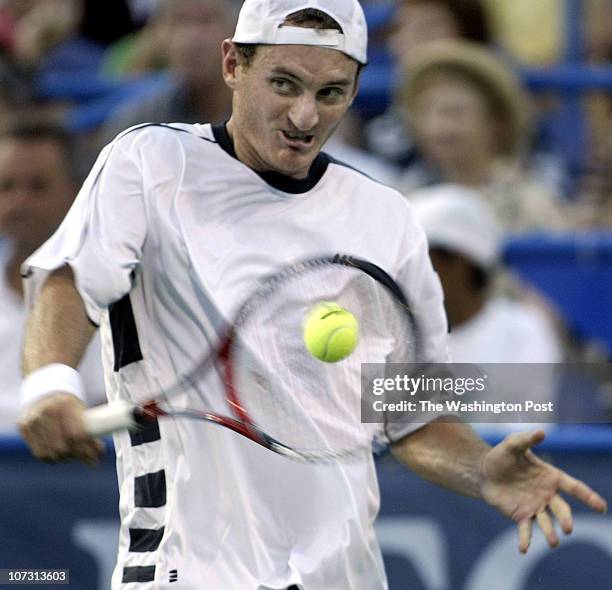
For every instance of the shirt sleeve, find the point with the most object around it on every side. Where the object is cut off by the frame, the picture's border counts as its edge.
(102, 236)
(425, 296)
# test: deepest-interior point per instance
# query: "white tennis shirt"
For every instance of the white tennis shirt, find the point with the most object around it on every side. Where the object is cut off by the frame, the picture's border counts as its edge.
(168, 235)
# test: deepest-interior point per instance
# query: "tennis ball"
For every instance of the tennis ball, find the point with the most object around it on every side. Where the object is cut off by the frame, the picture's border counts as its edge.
(330, 332)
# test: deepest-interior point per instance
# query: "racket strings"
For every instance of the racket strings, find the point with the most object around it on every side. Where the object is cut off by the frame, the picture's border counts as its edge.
(295, 398)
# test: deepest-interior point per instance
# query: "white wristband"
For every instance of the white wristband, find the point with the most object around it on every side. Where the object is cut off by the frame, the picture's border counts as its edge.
(50, 379)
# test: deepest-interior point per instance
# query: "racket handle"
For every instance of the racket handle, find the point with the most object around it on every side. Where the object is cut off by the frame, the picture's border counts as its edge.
(109, 418)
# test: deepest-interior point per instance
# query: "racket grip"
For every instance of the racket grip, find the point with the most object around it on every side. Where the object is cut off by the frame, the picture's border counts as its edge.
(109, 418)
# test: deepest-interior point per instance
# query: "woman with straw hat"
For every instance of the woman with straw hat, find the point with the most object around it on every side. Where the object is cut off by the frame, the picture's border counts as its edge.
(472, 121)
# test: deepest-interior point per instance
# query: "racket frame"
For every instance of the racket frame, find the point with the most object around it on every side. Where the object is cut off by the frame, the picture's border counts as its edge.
(119, 416)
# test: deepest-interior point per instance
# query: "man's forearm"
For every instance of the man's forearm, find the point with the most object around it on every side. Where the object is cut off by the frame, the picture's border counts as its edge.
(446, 453)
(58, 329)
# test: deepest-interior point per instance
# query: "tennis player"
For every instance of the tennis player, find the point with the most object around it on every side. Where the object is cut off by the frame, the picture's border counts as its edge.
(172, 228)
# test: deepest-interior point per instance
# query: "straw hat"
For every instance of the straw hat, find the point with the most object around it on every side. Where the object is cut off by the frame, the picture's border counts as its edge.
(484, 69)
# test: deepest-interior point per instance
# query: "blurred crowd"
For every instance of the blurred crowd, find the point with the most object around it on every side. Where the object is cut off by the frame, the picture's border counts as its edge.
(463, 137)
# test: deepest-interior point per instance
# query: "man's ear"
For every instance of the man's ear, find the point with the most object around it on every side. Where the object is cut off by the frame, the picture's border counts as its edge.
(230, 62)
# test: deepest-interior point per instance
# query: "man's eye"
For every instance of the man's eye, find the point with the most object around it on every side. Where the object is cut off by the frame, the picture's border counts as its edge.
(281, 84)
(333, 92)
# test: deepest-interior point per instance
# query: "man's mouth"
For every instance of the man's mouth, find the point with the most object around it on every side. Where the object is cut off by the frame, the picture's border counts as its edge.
(297, 140)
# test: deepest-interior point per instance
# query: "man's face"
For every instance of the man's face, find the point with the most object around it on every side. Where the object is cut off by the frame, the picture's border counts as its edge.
(287, 103)
(196, 30)
(35, 190)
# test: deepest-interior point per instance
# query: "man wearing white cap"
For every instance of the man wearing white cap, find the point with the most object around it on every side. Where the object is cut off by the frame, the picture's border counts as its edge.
(487, 327)
(465, 247)
(163, 245)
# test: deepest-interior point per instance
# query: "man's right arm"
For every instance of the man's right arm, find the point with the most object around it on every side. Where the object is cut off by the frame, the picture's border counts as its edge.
(58, 331)
(103, 236)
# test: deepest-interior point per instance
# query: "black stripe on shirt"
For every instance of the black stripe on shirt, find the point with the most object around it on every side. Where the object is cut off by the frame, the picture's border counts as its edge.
(150, 490)
(143, 540)
(144, 573)
(126, 345)
(148, 433)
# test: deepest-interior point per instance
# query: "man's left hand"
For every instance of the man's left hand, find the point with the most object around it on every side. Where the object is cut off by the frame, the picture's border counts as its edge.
(527, 489)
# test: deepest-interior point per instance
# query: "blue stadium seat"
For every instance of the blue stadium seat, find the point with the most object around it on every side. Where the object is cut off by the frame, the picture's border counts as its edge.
(575, 272)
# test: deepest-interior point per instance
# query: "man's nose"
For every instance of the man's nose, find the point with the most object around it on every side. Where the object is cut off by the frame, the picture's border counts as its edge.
(304, 114)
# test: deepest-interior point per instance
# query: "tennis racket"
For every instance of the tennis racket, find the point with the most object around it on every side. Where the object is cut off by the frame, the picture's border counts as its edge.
(276, 393)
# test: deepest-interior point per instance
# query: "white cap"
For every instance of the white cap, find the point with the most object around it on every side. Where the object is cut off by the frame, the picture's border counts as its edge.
(459, 219)
(260, 21)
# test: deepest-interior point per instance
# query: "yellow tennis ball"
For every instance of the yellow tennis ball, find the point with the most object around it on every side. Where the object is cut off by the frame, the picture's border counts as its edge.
(330, 332)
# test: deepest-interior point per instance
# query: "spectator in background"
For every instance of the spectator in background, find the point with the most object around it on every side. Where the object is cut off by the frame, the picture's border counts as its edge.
(517, 26)
(43, 26)
(465, 247)
(193, 32)
(598, 158)
(417, 23)
(36, 29)
(15, 93)
(593, 207)
(472, 122)
(486, 327)
(36, 189)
